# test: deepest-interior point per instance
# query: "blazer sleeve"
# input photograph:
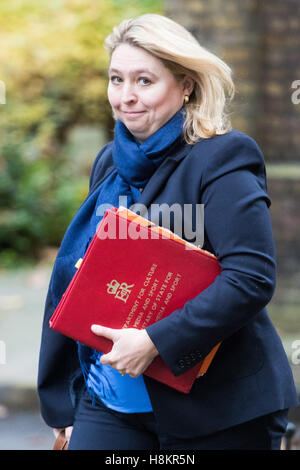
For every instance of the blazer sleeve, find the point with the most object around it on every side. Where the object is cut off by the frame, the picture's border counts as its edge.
(238, 226)
(58, 371)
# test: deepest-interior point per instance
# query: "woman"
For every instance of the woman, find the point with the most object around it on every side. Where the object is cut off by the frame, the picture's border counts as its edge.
(174, 145)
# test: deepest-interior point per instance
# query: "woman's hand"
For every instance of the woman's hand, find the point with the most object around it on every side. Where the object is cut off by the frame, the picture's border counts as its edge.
(132, 351)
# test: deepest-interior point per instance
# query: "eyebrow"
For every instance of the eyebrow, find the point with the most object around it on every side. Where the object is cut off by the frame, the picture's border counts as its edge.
(133, 72)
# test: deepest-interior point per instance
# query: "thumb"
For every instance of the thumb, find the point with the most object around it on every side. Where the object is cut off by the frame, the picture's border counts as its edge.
(109, 333)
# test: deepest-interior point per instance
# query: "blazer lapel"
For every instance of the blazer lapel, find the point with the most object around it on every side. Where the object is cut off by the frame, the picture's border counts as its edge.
(158, 179)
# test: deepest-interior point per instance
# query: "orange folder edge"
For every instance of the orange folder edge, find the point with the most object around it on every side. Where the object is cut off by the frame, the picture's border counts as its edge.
(207, 360)
(130, 215)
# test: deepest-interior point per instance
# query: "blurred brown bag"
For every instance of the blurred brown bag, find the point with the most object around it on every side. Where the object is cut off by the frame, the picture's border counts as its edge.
(61, 442)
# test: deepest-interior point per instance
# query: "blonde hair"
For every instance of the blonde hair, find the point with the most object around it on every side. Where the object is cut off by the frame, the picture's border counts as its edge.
(182, 54)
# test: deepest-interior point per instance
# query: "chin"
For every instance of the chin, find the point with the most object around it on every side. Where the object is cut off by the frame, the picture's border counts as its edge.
(132, 128)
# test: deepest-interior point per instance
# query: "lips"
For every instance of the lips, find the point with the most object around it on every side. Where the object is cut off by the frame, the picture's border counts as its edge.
(133, 113)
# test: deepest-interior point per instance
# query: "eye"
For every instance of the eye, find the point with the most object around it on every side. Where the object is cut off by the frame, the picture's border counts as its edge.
(145, 79)
(113, 77)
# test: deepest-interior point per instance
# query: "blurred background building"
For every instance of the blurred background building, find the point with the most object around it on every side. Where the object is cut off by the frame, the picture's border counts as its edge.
(54, 119)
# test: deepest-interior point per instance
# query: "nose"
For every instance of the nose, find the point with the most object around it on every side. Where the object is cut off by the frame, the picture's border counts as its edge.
(128, 94)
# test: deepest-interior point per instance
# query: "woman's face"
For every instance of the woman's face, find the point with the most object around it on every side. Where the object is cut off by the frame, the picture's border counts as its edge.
(142, 92)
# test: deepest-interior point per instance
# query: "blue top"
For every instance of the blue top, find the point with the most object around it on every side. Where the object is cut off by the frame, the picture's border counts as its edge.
(120, 393)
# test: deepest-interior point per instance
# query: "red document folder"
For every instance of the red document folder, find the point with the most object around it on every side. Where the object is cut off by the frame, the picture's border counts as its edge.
(133, 274)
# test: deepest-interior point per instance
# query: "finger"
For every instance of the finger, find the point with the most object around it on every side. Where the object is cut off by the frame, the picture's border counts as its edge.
(107, 359)
(134, 375)
(109, 333)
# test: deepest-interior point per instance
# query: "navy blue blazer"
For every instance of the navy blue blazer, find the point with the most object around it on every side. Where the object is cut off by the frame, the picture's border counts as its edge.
(250, 375)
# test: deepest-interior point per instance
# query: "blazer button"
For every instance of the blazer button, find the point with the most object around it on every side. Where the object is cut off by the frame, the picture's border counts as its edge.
(187, 360)
(199, 355)
(193, 356)
(181, 364)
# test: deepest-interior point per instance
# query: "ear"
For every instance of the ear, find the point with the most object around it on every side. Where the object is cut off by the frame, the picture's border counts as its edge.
(188, 85)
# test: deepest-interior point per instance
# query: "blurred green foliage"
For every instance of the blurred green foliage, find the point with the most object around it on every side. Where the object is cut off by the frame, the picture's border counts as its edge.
(37, 200)
(54, 67)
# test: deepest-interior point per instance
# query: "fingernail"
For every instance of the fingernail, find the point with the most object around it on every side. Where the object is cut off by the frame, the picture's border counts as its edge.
(95, 328)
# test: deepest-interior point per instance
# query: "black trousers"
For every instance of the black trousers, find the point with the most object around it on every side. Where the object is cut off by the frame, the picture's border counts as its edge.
(96, 427)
